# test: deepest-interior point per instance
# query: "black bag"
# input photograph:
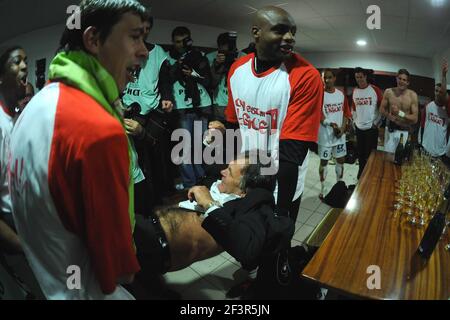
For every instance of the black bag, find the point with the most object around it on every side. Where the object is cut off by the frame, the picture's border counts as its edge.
(268, 285)
(339, 195)
(352, 153)
(157, 125)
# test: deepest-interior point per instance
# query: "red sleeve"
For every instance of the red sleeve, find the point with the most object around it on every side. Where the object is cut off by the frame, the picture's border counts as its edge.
(422, 116)
(352, 104)
(88, 180)
(305, 106)
(347, 112)
(108, 227)
(230, 111)
(379, 95)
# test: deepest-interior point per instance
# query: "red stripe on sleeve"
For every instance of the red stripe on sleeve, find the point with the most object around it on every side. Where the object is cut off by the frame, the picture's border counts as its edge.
(379, 95)
(88, 179)
(347, 111)
(306, 103)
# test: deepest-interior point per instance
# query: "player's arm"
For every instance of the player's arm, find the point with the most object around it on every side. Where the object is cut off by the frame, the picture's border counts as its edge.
(107, 225)
(300, 131)
(347, 116)
(384, 106)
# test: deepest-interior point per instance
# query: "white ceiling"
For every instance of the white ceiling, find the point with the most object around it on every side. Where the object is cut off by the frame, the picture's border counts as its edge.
(408, 27)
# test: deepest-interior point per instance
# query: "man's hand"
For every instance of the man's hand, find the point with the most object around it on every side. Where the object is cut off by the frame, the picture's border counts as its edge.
(394, 110)
(217, 125)
(334, 125)
(201, 195)
(339, 132)
(187, 71)
(220, 59)
(167, 105)
(133, 127)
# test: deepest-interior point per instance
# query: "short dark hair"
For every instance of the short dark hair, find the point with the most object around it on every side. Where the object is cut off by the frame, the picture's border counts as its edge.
(4, 56)
(329, 70)
(252, 176)
(180, 31)
(405, 72)
(101, 14)
(361, 70)
(222, 39)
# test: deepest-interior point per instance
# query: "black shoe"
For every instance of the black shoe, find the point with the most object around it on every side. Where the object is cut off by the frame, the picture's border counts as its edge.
(283, 268)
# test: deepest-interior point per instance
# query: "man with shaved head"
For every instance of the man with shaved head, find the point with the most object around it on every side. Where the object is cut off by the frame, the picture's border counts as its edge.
(275, 98)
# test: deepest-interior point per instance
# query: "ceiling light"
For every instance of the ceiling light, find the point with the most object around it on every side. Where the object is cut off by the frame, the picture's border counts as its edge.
(437, 3)
(361, 43)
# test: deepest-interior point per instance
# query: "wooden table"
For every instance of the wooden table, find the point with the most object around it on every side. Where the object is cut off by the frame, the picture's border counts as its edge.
(367, 234)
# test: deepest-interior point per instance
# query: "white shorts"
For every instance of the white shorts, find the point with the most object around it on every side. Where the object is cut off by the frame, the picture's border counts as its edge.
(391, 139)
(338, 151)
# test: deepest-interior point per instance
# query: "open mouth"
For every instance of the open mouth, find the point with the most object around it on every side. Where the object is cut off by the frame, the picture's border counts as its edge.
(23, 80)
(132, 72)
(286, 48)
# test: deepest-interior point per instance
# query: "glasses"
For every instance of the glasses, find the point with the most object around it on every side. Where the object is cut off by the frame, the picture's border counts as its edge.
(420, 191)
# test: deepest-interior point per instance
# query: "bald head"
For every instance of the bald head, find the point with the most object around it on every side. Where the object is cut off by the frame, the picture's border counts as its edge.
(274, 31)
(271, 15)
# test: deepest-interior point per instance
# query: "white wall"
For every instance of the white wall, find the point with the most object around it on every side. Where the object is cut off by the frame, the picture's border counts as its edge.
(44, 42)
(437, 63)
(375, 61)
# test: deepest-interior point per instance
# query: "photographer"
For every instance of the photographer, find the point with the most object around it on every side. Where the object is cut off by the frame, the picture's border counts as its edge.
(151, 94)
(191, 77)
(221, 61)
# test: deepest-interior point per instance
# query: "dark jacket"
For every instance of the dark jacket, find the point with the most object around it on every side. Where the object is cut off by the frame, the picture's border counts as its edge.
(248, 228)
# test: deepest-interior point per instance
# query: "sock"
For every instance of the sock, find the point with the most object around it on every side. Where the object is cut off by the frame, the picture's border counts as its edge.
(339, 171)
(323, 170)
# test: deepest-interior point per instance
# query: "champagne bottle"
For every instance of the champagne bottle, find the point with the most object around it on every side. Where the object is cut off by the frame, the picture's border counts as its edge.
(399, 152)
(435, 227)
(408, 149)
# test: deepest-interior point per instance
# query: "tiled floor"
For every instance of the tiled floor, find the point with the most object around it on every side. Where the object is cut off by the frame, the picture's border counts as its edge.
(212, 278)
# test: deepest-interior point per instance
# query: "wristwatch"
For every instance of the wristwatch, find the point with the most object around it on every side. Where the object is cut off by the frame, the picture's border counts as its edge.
(214, 203)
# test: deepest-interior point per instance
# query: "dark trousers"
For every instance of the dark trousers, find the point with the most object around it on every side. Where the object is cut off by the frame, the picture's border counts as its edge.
(294, 208)
(143, 198)
(367, 141)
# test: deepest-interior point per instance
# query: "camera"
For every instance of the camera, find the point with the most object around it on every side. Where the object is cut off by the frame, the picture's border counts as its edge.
(232, 53)
(190, 57)
(132, 111)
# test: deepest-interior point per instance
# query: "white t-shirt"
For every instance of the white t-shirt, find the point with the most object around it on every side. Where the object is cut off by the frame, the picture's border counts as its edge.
(282, 103)
(145, 89)
(216, 195)
(68, 178)
(435, 129)
(365, 104)
(335, 108)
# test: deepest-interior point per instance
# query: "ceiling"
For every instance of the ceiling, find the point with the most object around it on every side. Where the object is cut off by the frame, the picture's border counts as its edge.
(408, 27)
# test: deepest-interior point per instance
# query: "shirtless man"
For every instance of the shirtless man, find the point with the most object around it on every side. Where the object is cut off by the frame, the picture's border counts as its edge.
(400, 107)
